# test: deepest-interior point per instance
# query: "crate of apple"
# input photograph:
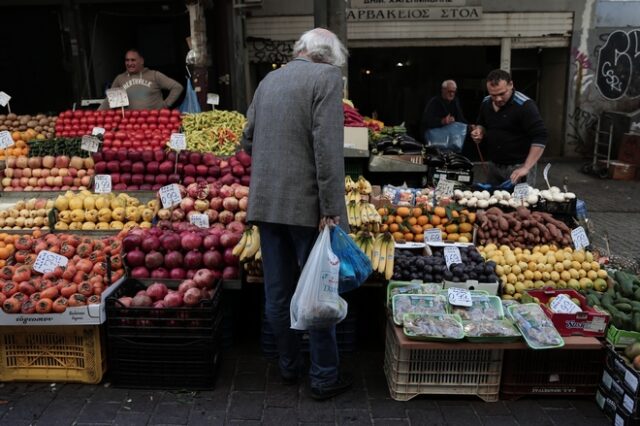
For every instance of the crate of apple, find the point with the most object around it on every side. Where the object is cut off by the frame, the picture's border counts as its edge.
(48, 173)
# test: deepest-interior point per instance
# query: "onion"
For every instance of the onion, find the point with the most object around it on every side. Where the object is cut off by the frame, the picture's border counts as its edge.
(237, 170)
(173, 300)
(157, 291)
(244, 158)
(193, 260)
(135, 258)
(153, 260)
(191, 241)
(140, 272)
(173, 259)
(192, 297)
(203, 278)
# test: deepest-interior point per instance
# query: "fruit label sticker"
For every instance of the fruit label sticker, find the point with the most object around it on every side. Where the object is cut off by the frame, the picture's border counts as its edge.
(459, 296)
(177, 142)
(199, 220)
(97, 131)
(5, 139)
(521, 191)
(90, 143)
(48, 261)
(445, 187)
(102, 184)
(452, 256)
(4, 99)
(579, 237)
(433, 235)
(170, 195)
(117, 97)
(563, 305)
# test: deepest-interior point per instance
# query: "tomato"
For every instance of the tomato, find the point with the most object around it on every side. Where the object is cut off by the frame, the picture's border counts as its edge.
(117, 144)
(127, 144)
(153, 112)
(135, 113)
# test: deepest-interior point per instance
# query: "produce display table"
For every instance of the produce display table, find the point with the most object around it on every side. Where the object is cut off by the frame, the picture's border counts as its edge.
(486, 370)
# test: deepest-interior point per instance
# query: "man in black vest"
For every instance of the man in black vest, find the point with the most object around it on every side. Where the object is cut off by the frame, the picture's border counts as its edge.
(443, 109)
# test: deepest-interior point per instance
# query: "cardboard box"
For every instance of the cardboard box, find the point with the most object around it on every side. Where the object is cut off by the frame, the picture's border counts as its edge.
(78, 315)
(622, 171)
(356, 138)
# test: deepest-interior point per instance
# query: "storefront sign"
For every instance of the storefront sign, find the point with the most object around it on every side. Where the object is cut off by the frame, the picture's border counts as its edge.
(406, 3)
(462, 13)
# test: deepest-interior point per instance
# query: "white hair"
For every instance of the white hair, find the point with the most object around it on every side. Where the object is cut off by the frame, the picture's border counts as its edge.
(321, 45)
(446, 84)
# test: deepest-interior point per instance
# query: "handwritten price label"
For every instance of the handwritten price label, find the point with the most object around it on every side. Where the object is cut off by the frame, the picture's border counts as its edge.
(4, 99)
(445, 188)
(170, 195)
(562, 304)
(177, 142)
(48, 261)
(579, 237)
(521, 191)
(117, 97)
(452, 256)
(5, 139)
(98, 131)
(433, 235)
(90, 143)
(459, 296)
(199, 220)
(213, 99)
(102, 184)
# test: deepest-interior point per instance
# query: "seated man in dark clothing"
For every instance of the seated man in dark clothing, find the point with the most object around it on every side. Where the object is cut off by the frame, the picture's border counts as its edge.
(443, 109)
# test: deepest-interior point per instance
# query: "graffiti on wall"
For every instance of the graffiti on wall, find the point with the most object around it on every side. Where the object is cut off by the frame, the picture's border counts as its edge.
(618, 69)
(581, 127)
(583, 75)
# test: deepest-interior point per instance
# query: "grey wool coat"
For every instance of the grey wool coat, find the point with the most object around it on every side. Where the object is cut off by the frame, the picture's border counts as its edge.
(294, 133)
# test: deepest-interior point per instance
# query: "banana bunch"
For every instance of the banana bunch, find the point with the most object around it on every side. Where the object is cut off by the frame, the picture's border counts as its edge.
(349, 184)
(362, 185)
(254, 267)
(362, 213)
(379, 249)
(249, 245)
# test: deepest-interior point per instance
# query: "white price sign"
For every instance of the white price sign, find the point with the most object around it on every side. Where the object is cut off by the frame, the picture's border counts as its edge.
(117, 97)
(433, 235)
(178, 142)
(90, 143)
(102, 184)
(521, 191)
(579, 237)
(5, 139)
(48, 261)
(170, 195)
(445, 188)
(562, 304)
(213, 98)
(199, 220)
(459, 296)
(98, 131)
(4, 99)
(452, 256)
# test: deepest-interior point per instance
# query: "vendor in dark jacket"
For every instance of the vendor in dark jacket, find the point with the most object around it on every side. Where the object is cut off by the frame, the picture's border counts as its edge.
(513, 129)
(443, 109)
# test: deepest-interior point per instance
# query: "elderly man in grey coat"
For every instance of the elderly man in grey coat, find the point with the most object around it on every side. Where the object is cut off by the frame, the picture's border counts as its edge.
(294, 132)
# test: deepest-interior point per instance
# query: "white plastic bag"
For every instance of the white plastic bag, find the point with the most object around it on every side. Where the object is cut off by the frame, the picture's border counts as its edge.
(316, 302)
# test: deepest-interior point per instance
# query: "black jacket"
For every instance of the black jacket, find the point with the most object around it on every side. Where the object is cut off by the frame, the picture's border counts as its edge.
(512, 130)
(436, 109)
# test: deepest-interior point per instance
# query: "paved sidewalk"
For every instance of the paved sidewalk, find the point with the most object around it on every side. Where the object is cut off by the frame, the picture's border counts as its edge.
(249, 392)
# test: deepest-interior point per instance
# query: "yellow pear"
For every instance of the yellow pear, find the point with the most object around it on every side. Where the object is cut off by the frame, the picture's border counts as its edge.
(61, 203)
(89, 202)
(76, 203)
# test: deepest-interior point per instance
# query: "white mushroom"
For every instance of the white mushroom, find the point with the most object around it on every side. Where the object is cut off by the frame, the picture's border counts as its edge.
(483, 204)
(532, 199)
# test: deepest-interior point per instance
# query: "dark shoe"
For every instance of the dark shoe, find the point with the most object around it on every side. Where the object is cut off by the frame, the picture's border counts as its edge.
(325, 392)
(289, 380)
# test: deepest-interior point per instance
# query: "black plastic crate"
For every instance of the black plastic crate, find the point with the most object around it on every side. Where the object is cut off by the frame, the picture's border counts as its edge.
(345, 337)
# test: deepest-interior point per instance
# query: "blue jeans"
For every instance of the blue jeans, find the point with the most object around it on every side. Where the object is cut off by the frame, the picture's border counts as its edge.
(285, 249)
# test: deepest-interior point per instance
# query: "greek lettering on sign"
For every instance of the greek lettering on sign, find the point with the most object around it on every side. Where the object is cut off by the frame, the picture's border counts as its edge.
(433, 235)
(102, 184)
(90, 143)
(521, 191)
(117, 97)
(445, 187)
(48, 261)
(5, 139)
(170, 195)
(459, 296)
(199, 220)
(177, 142)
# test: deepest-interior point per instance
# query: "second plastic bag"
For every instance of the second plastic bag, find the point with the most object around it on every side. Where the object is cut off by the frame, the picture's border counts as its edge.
(316, 303)
(355, 266)
(448, 138)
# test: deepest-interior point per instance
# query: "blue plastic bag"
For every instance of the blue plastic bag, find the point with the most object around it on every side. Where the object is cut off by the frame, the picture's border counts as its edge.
(447, 138)
(190, 104)
(355, 266)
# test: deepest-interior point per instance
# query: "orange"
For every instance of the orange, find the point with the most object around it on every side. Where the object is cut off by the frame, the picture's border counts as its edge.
(399, 219)
(451, 229)
(408, 236)
(455, 214)
(412, 220)
(403, 211)
(440, 211)
(435, 220)
(416, 212)
(394, 227)
(472, 217)
(427, 226)
(465, 227)
(416, 229)
(419, 237)
(423, 220)
(453, 237)
(398, 236)
(384, 227)
(383, 211)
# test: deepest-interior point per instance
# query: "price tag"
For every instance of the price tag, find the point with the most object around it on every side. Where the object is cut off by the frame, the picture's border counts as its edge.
(445, 188)
(5, 139)
(48, 261)
(178, 142)
(170, 195)
(97, 131)
(4, 99)
(452, 256)
(90, 143)
(619, 421)
(631, 380)
(117, 97)
(433, 235)
(102, 184)
(199, 220)
(545, 173)
(459, 296)
(213, 98)
(607, 380)
(521, 191)
(628, 403)
(562, 304)
(579, 237)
